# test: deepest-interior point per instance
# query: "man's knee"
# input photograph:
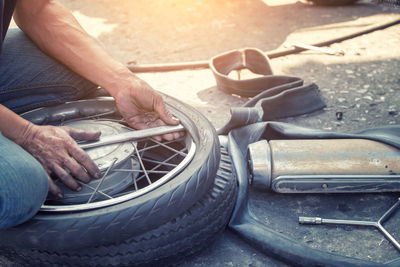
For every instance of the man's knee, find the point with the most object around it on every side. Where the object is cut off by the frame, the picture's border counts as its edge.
(23, 184)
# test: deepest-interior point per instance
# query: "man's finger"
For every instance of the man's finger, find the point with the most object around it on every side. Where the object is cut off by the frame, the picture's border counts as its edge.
(76, 169)
(54, 189)
(82, 158)
(66, 178)
(178, 135)
(167, 137)
(163, 112)
(82, 135)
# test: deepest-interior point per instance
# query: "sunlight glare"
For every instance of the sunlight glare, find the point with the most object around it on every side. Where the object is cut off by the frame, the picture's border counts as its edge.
(279, 2)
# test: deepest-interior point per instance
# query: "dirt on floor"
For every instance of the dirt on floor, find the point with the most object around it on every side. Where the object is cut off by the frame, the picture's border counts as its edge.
(360, 85)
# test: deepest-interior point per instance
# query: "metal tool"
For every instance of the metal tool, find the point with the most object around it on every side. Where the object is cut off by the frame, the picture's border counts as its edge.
(377, 224)
(324, 166)
(132, 136)
(318, 49)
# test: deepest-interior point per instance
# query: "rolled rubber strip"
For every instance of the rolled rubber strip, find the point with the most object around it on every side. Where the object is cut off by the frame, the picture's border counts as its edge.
(277, 95)
(247, 58)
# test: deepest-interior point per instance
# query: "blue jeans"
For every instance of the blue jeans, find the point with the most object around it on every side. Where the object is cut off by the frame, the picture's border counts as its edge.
(23, 184)
(29, 79)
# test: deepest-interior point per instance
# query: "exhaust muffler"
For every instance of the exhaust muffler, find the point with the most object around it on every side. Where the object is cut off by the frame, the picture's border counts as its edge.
(324, 166)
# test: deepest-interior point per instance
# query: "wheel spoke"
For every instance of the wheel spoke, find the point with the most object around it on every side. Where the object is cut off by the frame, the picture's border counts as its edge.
(95, 117)
(101, 181)
(134, 177)
(159, 162)
(141, 164)
(157, 145)
(170, 148)
(148, 171)
(143, 151)
(98, 191)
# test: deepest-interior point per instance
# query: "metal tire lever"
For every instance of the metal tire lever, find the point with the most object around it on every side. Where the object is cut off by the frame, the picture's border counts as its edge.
(132, 135)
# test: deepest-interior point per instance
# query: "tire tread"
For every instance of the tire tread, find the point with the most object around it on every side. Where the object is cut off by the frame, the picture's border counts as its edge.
(184, 235)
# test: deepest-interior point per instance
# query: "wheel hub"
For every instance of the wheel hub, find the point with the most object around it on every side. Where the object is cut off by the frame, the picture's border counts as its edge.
(108, 158)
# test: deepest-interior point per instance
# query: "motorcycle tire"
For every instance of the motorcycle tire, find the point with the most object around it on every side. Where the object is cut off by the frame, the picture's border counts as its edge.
(113, 224)
(168, 244)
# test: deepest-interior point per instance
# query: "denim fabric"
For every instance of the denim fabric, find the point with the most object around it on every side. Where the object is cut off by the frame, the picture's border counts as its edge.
(30, 79)
(6, 11)
(23, 184)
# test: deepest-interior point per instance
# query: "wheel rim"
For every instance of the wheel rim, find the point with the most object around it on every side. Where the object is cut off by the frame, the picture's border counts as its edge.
(158, 162)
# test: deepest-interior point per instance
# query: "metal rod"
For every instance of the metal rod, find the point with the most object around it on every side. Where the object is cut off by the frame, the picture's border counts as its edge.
(159, 162)
(128, 170)
(378, 224)
(101, 181)
(317, 220)
(170, 148)
(141, 164)
(134, 176)
(388, 236)
(133, 135)
(349, 222)
(388, 213)
(98, 191)
(316, 48)
(156, 145)
(95, 116)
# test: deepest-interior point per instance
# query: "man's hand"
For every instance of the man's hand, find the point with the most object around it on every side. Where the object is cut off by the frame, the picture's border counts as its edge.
(55, 148)
(143, 108)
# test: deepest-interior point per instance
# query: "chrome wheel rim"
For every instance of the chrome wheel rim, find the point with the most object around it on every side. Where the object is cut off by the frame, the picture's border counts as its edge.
(159, 161)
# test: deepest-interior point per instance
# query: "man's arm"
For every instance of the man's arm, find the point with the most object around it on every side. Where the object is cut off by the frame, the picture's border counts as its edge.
(55, 31)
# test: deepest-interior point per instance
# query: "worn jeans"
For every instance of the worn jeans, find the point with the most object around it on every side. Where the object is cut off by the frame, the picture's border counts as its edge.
(29, 79)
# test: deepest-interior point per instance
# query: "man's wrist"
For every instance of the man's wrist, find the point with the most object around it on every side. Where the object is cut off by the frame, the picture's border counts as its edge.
(14, 127)
(25, 135)
(121, 79)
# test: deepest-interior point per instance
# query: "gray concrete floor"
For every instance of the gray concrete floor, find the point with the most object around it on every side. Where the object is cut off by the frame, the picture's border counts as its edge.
(363, 84)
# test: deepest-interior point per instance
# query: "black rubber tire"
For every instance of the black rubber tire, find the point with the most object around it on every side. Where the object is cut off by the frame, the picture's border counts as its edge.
(333, 2)
(56, 232)
(184, 235)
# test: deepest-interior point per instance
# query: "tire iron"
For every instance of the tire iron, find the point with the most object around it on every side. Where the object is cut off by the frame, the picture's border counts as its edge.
(132, 136)
(377, 224)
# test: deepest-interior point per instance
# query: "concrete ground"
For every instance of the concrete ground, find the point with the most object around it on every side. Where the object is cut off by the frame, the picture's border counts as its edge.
(361, 87)
(360, 83)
